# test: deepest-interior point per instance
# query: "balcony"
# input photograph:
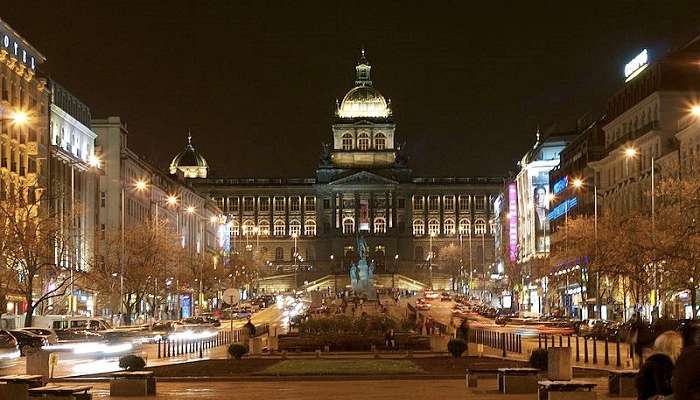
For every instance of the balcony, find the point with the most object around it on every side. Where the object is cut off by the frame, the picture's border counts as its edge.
(639, 132)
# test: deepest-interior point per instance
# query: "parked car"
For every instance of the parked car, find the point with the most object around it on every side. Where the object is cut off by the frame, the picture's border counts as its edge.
(49, 334)
(588, 326)
(8, 346)
(27, 341)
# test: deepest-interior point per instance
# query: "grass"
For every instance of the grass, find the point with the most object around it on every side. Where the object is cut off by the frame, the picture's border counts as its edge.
(308, 367)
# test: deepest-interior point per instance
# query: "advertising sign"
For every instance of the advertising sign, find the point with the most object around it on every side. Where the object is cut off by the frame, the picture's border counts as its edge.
(513, 221)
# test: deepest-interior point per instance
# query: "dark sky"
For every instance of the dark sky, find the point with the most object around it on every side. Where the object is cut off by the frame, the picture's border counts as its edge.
(256, 81)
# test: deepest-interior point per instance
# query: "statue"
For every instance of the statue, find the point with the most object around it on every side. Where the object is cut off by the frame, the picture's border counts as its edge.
(362, 274)
(325, 158)
(353, 275)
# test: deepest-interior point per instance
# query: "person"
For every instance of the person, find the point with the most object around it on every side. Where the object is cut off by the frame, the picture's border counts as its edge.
(463, 330)
(250, 327)
(389, 340)
(653, 381)
(669, 343)
(686, 377)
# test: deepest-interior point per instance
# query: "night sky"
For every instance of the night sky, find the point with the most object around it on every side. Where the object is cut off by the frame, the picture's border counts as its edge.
(256, 81)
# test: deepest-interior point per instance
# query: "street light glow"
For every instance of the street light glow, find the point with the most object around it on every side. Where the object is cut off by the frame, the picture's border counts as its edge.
(578, 183)
(630, 152)
(172, 200)
(695, 110)
(551, 197)
(19, 117)
(94, 161)
(141, 185)
(190, 209)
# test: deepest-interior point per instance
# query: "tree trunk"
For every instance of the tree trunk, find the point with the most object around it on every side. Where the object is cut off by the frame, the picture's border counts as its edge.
(29, 316)
(694, 302)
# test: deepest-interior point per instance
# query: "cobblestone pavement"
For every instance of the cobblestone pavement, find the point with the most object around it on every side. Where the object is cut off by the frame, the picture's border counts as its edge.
(330, 389)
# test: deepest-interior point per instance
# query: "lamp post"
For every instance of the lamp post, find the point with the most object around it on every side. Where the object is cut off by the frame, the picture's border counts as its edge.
(430, 260)
(296, 282)
(396, 269)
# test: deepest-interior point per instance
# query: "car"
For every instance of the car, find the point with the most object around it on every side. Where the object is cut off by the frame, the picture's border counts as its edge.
(8, 346)
(27, 341)
(49, 334)
(445, 297)
(78, 334)
(423, 306)
(430, 295)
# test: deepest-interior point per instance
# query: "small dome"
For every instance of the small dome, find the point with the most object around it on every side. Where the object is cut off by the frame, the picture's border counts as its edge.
(364, 101)
(190, 162)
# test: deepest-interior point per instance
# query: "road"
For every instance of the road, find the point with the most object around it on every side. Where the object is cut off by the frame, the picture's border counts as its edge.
(91, 363)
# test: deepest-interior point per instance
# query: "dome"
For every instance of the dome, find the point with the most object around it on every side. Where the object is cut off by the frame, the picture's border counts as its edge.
(190, 162)
(363, 101)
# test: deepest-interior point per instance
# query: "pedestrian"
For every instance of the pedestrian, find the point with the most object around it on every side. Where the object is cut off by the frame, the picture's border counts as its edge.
(669, 343)
(389, 340)
(250, 327)
(653, 381)
(463, 330)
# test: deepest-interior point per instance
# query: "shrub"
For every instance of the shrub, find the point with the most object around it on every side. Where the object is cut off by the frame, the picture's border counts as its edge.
(237, 350)
(538, 359)
(132, 363)
(456, 347)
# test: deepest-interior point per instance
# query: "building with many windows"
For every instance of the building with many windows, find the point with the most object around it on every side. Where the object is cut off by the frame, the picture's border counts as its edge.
(362, 182)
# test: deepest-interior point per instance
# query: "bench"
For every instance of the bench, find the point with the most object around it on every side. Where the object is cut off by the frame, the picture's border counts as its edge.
(621, 383)
(565, 390)
(473, 376)
(132, 384)
(517, 380)
(16, 386)
(63, 392)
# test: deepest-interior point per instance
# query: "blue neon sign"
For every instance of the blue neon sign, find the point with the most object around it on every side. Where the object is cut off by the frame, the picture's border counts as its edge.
(560, 185)
(562, 208)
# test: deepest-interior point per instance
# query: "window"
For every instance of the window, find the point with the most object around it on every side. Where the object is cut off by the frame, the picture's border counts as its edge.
(433, 203)
(479, 227)
(264, 204)
(379, 141)
(417, 202)
(264, 226)
(248, 228)
(464, 228)
(103, 199)
(449, 227)
(327, 204)
(279, 253)
(463, 203)
(379, 225)
(309, 203)
(346, 142)
(279, 228)
(492, 230)
(449, 203)
(235, 229)
(233, 204)
(294, 204)
(433, 227)
(363, 141)
(479, 202)
(401, 203)
(247, 204)
(310, 228)
(418, 253)
(279, 204)
(348, 226)
(418, 228)
(295, 228)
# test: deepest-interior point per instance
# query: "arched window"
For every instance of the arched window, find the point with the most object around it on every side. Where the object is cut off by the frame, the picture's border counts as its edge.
(492, 230)
(280, 228)
(295, 228)
(348, 226)
(449, 227)
(235, 228)
(248, 227)
(418, 253)
(379, 141)
(363, 141)
(464, 227)
(279, 253)
(433, 227)
(310, 228)
(379, 225)
(264, 226)
(418, 228)
(479, 227)
(346, 142)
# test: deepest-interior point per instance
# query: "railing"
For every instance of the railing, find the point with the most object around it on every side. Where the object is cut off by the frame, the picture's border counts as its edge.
(174, 347)
(587, 348)
(504, 341)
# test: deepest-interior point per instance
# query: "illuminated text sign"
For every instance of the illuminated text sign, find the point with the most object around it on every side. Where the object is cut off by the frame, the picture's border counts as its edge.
(637, 65)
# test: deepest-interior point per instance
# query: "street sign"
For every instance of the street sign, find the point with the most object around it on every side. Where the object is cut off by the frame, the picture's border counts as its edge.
(231, 296)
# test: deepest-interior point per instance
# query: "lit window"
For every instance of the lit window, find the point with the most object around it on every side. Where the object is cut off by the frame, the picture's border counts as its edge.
(463, 203)
(433, 202)
(248, 227)
(310, 228)
(449, 227)
(309, 203)
(449, 203)
(295, 228)
(279, 204)
(379, 141)
(417, 202)
(348, 226)
(279, 228)
(235, 229)
(294, 204)
(479, 202)
(479, 227)
(233, 204)
(264, 227)
(433, 227)
(347, 142)
(363, 141)
(418, 228)
(264, 204)
(247, 204)
(464, 228)
(379, 225)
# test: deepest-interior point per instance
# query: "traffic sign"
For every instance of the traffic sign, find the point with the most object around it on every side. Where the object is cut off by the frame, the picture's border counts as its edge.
(232, 296)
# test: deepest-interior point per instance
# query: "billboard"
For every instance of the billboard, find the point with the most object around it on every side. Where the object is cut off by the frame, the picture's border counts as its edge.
(513, 221)
(540, 189)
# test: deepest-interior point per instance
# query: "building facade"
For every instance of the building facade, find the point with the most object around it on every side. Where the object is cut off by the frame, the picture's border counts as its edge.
(413, 225)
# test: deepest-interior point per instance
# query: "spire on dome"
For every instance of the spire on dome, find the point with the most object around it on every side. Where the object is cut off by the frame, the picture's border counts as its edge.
(362, 70)
(189, 137)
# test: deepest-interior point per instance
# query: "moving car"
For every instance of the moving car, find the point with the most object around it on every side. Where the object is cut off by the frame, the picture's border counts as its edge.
(27, 341)
(49, 334)
(8, 346)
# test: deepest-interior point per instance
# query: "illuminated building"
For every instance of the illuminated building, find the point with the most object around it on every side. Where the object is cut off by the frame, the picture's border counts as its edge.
(362, 179)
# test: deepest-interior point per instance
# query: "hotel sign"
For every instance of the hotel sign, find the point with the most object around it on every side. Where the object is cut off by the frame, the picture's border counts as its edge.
(10, 43)
(637, 65)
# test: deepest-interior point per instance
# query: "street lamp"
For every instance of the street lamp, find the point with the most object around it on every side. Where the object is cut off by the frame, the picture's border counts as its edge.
(430, 260)
(296, 283)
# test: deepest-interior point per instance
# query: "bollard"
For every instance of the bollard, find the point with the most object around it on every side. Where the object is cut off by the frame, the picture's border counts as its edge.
(560, 341)
(585, 349)
(546, 341)
(200, 349)
(159, 341)
(539, 341)
(595, 352)
(578, 358)
(568, 341)
(503, 342)
(552, 340)
(607, 356)
(617, 351)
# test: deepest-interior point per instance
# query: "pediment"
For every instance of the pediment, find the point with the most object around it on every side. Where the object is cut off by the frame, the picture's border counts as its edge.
(364, 178)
